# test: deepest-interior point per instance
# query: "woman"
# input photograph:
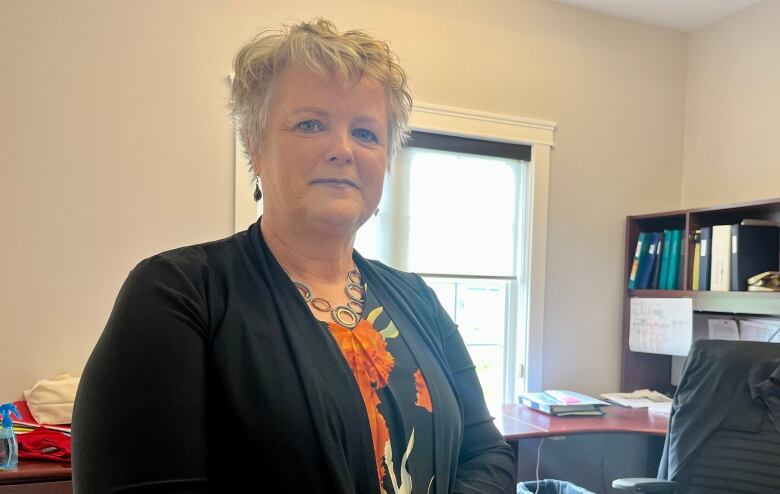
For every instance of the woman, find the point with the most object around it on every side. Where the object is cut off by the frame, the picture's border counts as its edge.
(280, 356)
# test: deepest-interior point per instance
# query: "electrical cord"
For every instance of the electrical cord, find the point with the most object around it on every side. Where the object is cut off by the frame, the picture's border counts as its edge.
(538, 462)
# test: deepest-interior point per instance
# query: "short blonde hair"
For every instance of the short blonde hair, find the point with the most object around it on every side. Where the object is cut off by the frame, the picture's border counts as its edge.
(319, 47)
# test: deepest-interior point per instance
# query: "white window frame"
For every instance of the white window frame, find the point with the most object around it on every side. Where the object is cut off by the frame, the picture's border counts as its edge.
(538, 134)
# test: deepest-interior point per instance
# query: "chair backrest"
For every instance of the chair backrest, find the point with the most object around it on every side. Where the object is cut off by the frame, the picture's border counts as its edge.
(724, 432)
(734, 460)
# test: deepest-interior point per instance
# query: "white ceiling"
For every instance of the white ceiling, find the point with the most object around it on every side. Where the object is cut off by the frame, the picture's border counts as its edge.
(682, 15)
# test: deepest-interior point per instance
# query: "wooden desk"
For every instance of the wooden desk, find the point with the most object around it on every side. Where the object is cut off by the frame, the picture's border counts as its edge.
(36, 477)
(520, 422)
(523, 428)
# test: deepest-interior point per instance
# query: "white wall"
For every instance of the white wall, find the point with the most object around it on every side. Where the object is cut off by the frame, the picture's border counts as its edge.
(732, 124)
(115, 144)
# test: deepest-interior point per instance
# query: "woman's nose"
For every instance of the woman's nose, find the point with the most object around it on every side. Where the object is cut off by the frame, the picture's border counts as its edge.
(340, 150)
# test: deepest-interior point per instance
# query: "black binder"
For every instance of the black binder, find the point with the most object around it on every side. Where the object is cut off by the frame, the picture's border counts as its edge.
(657, 265)
(705, 254)
(754, 249)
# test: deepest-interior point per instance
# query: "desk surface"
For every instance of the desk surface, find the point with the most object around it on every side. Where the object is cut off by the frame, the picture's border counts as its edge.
(520, 422)
(35, 471)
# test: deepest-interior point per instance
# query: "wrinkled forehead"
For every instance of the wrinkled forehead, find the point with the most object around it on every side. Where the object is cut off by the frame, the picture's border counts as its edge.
(330, 76)
(300, 86)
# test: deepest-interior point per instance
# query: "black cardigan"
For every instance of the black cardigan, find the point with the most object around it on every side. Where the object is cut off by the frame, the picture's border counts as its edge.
(212, 371)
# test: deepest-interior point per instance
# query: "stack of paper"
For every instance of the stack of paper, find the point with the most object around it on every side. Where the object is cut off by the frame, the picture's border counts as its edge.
(642, 398)
(661, 408)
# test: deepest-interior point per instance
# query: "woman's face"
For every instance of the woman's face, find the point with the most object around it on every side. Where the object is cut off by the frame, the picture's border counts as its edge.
(325, 151)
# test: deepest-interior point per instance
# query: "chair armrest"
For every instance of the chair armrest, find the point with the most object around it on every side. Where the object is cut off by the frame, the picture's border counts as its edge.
(645, 485)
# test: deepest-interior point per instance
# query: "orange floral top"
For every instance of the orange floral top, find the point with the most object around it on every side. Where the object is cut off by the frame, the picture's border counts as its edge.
(396, 397)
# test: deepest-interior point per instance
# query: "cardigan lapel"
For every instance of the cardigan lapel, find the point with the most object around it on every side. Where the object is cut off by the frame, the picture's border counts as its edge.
(416, 330)
(331, 392)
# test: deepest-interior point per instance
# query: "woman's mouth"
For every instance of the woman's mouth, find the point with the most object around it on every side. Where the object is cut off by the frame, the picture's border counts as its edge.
(335, 181)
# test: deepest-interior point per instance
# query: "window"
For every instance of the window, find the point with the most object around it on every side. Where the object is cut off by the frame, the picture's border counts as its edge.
(455, 216)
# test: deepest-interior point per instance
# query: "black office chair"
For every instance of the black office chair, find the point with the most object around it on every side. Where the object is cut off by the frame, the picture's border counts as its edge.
(724, 431)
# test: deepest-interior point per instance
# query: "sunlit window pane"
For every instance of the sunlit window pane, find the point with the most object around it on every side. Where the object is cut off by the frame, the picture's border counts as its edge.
(462, 214)
(489, 361)
(479, 309)
(481, 319)
(446, 213)
(445, 291)
(481, 313)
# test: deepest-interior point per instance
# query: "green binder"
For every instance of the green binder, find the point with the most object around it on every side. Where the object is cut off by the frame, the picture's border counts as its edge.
(674, 260)
(663, 278)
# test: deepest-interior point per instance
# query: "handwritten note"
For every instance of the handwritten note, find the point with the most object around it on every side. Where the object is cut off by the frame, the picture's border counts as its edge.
(661, 325)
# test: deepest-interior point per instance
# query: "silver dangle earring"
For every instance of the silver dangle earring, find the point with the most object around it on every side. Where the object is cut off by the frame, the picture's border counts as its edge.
(258, 192)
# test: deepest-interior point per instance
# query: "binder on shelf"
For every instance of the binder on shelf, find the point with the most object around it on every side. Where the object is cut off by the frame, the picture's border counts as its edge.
(646, 268)
(664, 275)
(696, 262)
(657, 266)
(720, 270)
(638, 254)
(705, 255)
(681, 262)
(754, 250)
(660, 323)
(674, 260)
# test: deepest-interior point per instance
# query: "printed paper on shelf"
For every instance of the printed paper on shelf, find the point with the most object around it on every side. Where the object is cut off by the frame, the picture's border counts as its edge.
(661, 325)
(723, 329)
(760, 330)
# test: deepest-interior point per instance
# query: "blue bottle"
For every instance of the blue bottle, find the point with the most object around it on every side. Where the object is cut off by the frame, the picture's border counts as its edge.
(9, 449)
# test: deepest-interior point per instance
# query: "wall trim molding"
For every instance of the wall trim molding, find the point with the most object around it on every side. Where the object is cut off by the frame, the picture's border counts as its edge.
(429, 117)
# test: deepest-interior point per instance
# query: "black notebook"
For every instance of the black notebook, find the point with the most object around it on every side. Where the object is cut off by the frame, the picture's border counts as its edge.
(754, 249)
(705, 253)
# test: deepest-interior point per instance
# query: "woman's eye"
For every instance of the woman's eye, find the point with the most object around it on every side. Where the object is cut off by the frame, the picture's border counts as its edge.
(309, 126)
(365, 135)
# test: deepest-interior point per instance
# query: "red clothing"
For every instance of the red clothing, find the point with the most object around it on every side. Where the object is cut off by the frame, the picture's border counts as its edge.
(43, 444)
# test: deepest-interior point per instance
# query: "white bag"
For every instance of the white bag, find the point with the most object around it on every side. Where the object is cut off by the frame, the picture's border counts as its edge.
(51, 400)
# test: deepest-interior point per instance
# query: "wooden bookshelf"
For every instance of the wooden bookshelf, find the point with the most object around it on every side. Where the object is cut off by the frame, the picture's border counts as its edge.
(645, 370)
